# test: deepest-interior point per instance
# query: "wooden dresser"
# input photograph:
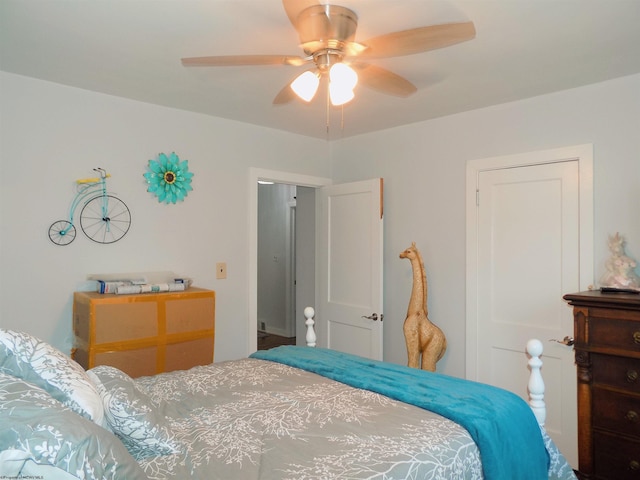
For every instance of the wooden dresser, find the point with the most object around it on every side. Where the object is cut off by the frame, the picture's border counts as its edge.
(607, 352)
(144, 334)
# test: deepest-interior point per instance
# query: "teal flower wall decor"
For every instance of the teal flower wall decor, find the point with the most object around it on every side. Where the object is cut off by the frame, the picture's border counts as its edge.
(169, 178)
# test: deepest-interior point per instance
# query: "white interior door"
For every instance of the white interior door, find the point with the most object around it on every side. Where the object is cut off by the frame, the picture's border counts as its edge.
(527, 255)
(349, 309)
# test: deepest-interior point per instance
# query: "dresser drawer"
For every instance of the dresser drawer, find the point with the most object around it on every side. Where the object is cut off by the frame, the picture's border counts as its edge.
(616, 412)
(617, 334)
(190, 314)
(619, 372)
(117, 322)
(616, 458)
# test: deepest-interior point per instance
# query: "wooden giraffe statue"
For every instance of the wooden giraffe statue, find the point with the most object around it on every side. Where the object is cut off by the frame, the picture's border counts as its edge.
(423, 338)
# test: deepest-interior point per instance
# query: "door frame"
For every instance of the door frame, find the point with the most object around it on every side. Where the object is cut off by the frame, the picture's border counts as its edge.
(290, 271)
(275, 176)
(584, 155)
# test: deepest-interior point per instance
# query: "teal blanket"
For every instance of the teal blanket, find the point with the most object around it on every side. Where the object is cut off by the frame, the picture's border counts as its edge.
(501, 423)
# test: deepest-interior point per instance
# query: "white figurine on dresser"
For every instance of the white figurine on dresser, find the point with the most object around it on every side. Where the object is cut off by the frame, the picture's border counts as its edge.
(620, 269)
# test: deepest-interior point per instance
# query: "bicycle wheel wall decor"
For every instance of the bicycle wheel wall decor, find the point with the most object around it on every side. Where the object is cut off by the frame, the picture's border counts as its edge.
(62, 232)
(169, 178)
(103, 218)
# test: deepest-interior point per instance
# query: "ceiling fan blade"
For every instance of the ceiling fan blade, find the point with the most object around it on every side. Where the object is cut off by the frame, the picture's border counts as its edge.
(418, 40)
(294, 7)
(240, 60)
(285, 95)
(383, 80)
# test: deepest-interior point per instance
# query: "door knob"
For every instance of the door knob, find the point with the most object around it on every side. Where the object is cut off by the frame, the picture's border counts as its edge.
(568, 341)
(373, 316)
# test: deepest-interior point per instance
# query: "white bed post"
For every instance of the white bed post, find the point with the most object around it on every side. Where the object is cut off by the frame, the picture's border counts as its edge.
(536, 383)
(309, 313)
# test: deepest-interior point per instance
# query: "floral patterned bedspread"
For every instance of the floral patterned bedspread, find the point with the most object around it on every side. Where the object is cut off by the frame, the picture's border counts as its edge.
(255, 419)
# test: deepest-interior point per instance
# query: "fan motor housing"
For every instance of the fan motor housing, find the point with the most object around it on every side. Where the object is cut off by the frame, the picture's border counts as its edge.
(326, 27)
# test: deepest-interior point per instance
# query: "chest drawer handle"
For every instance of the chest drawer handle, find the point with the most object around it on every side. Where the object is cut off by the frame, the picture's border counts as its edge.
(632, 416)
(632, 376)
(636, 337)
(634, 465)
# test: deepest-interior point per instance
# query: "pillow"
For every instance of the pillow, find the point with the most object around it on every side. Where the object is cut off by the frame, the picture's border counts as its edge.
(131, 414)
(37, 362)
(38, 431)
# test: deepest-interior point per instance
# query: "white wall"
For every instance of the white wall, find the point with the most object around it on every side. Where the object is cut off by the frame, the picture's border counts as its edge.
(424, 170)
(52, 135)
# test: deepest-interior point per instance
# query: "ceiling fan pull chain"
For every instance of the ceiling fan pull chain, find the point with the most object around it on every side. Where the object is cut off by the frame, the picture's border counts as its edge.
(328, 113)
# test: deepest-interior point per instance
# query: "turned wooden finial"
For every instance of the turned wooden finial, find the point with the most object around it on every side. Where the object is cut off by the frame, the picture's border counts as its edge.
(309, 313)
(536, 383)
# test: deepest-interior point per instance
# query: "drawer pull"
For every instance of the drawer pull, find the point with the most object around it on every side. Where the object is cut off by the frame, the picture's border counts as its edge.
(632, 376)
(636, 337)
(632, 416)
(634, 465)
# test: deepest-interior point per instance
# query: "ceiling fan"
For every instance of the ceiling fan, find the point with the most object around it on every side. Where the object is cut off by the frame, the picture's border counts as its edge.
(327, 37)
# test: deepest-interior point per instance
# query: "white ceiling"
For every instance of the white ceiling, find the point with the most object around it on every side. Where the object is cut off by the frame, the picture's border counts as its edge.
(132, 49)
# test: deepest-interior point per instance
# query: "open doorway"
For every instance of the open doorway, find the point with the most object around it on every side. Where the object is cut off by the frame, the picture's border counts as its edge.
(304, 246)
(276, 265)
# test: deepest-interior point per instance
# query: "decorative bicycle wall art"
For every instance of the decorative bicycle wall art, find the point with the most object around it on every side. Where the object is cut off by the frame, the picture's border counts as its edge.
(104, 218)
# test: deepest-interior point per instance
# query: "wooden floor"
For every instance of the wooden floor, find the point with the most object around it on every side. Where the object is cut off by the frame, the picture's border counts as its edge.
(267, 341)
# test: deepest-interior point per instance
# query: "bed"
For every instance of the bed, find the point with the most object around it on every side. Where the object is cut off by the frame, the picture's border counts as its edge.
(286, 413)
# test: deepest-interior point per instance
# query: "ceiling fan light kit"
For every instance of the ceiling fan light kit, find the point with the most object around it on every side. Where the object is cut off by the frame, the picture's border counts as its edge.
(327, 37)
(338, 95)
(342, 80)
(306, 85)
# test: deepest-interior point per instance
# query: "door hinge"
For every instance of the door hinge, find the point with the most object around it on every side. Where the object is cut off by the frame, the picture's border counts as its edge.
(477, 198)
